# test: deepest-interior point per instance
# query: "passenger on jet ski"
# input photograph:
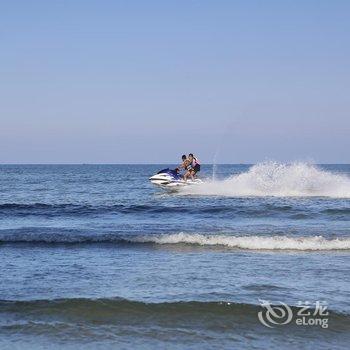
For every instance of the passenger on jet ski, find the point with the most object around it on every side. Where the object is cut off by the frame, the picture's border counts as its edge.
(193, 168)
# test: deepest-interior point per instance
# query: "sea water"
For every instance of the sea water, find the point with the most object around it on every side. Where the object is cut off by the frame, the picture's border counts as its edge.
(95, 256)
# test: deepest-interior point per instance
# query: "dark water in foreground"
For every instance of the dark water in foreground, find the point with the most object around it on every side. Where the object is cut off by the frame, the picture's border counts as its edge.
(94, 256)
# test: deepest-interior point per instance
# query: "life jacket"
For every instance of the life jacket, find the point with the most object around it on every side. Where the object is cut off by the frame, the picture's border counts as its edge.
(195, 162)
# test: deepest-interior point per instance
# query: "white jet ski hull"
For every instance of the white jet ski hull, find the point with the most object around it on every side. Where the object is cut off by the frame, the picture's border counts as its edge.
(166, 180)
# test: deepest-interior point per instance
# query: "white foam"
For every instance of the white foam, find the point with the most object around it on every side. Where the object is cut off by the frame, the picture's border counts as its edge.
(250, 242)
(240, 242)
(280, 180)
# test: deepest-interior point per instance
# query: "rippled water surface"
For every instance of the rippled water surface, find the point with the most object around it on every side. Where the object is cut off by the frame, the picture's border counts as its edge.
(96, 256)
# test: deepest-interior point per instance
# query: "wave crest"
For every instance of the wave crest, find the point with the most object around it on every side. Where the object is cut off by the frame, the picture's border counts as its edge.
(93, 308)
(251, 242)
(313, 243)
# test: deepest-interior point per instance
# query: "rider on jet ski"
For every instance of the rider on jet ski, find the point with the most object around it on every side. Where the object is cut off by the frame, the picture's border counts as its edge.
(193, 166)
(185, 163)
(168, 178)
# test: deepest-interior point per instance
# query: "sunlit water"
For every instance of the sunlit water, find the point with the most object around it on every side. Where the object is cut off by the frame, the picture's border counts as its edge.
(96, 256)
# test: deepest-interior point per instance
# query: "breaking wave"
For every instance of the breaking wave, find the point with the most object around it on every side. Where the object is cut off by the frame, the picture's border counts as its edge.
(313, 243)
(251, 242)
(280, 180)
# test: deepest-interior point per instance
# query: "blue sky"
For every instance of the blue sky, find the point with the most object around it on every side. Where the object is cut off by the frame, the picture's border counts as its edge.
(145, 81)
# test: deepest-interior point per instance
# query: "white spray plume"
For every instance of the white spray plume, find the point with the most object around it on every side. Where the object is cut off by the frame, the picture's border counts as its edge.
(280, 180)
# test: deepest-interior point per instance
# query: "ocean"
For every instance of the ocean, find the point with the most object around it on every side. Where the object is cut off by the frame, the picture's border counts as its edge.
(96, 257)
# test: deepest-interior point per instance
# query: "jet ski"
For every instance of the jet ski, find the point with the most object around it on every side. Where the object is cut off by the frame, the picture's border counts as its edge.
(168, 178)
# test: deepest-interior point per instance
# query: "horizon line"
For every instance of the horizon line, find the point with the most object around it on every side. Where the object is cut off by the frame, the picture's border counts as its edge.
(1, 164)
